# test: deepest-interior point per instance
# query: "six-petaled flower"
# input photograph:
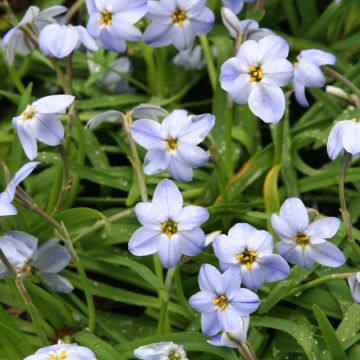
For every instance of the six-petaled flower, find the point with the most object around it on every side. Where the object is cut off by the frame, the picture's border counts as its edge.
(161, 351)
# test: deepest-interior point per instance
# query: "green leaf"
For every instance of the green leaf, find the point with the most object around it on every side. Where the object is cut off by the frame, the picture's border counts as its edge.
(332, 341)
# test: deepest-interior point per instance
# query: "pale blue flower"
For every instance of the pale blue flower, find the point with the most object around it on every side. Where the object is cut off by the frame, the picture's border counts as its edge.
(27, 259)
(169, 229)
(112, 81)
(232, 339)
(345, 135)
(243, 29)
(256, 74)
(354, 284)
(173, 144)
(7, 196)
(177, 22)
(111, 22)
(60, 41)
(235, 5)
(161, 351)
(221, 301)
(303, 243)
(307, 72)
(251, 251)
(190, 59)
(15, 39)
(63, 352)
(39, 121)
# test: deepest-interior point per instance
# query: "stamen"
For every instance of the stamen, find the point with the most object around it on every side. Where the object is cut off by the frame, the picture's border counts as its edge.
(169, 228)
(247, 258)
(174, 355)
(29, 113)
(61, 356)
(222, 302)
(179, 16)
(256, 73)
(301, 239)
(106, 18)
(171, 144)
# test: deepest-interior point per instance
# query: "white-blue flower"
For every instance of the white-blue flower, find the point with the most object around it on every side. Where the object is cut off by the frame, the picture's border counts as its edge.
(307, 72)
(173, 144)
(190, 59)
(221, 301)
(354, 284)
(63, 352)
(177, 22)
(22, 251)
(15, 40)
(61, 40)
(169, 229)
(250, 250)
(345, 135)
(232, 339)
(161, 351)
(111, 22)
(7, 196)
(303, 243)
(39, 121)
(256, 74)
(235, 5)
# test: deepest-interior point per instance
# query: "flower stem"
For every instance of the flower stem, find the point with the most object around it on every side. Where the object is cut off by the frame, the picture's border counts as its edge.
(180, 292)
(25, 200)
(335, 75)
(260, 4)
(73, 10)
(66, 178)
(343, 208)
(319, 281)
(244, 348)
(209, 61)
(27, 300)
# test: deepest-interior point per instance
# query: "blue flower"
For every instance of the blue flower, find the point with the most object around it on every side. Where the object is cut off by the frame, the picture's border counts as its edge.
(255, 75)
(161, 350)
(39, 122)
(354, 284)
(177, 22)
(303, 243)
(252, 251)
(307, 72)
(15, 40)
(190, 59)
(235, 5)
(172, 145)
(244, 29)
(61, 40)
(221, 301)
(27, 259)
(7, 196)
(227, 338)
(111, 22)
(169, 229)
(345, 135)
(63, 351)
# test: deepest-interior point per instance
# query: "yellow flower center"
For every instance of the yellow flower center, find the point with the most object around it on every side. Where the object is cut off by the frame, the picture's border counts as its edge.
(171, 144)
(179, 16)
(247, 258)
(173, 355)
(29, 113)
(106, 18)
(296, 63)
(169, 228)
(301, 239)
(222, 302)
(256, 73)
(61, 356)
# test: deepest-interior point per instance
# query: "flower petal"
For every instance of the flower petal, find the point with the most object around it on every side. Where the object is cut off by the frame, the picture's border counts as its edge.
(169, 250)
(203, 302)
(294, 212)
(192, 217)
(310, 73)
(324, 228)
(197, 128)
(147, 133)
(179, 171)
(244, 302)
(299, 89)
(210, 324)
(272, 47)
(351, 137)
(273, 267)
(48, 129)
(226, 248)
(144, 241)
(335, 145)
(327, 254)
(147, 216)
(27, 139)
(157, 35)
(182, 37)
(230, 282)
(277, 72)
(57, 283)
(209, 277)
(156, 160)
(354, 285)
(192, 242)
(53, 104)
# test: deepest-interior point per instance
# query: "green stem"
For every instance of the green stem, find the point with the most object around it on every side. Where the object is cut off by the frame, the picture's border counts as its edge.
(164, 322)
(160, 56)
(209, 61)
(66, 183)
(180, 292)
(319, 281)
(148, 54)
(244, 348)
(73, 10)
(343, 208)
(37, 323)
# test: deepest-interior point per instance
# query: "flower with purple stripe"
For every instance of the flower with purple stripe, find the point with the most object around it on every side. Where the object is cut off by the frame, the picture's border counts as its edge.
(251, 251)
(303, 243)
(256, 74)
(39, 121)
(173, 144)
(221, 301)
(111, 22)
(307, 72)
(169, 229)
(177, 22)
